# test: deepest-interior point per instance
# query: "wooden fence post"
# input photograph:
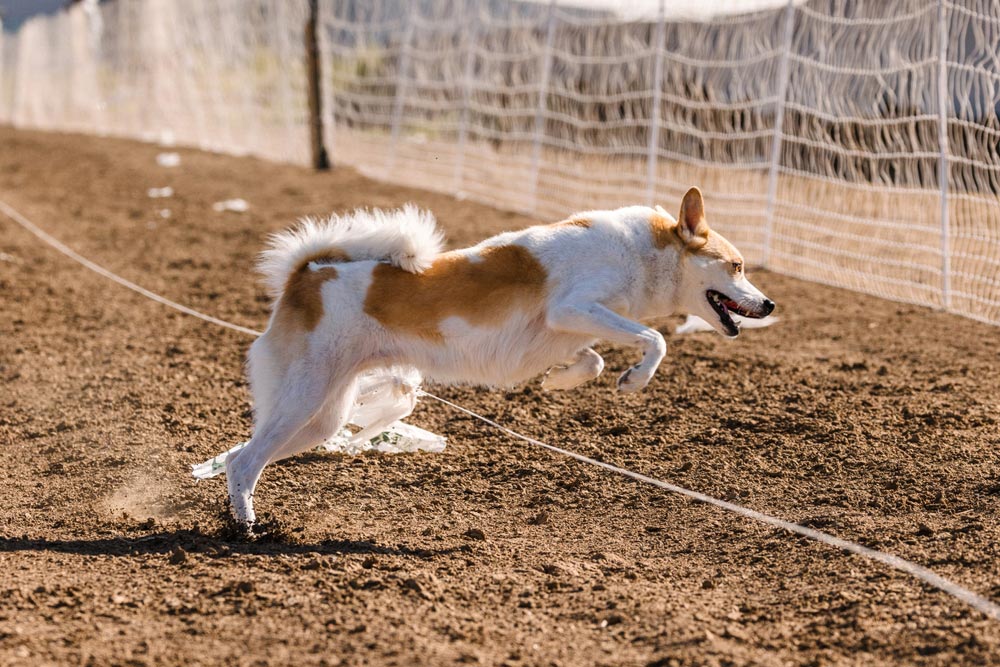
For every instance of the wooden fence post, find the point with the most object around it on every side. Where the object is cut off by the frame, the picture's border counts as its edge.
(320, 160)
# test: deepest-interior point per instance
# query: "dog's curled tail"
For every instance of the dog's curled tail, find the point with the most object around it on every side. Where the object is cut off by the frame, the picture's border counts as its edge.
(407, 237)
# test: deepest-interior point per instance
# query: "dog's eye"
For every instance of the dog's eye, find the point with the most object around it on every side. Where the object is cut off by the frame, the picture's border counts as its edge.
(737, 267)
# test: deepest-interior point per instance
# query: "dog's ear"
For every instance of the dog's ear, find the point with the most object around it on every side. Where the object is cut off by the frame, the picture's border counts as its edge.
(691, 224)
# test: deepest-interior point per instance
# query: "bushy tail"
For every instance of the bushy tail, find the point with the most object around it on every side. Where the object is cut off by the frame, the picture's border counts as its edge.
(407, 237)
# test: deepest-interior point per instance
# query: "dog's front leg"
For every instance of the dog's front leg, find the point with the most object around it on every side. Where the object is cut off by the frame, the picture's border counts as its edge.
(585, 367)
(593, 319)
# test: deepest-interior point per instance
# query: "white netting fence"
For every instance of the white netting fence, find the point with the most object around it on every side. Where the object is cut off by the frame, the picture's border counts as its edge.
(851, 142)
(224, 75)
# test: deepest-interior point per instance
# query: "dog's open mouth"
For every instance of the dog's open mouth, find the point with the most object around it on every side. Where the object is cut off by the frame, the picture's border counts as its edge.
(725, 307)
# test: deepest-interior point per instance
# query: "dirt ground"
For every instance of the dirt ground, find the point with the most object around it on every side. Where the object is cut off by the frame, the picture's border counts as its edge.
(874, 421)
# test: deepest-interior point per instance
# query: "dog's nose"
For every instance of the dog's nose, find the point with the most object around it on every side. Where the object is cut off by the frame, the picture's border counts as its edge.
(768, 307)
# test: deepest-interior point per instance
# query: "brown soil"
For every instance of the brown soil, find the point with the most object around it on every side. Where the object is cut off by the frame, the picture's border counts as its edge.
(870, 420)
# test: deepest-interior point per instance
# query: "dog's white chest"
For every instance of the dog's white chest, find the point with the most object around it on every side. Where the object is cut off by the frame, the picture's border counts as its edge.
(514, 353)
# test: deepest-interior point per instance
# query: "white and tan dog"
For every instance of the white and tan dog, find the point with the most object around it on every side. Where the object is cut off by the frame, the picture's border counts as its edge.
(372, 290)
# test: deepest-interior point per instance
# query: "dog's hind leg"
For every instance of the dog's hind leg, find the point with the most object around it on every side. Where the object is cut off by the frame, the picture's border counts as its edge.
(330, 419)
(301, 396)
(264, 370)
(587, 366)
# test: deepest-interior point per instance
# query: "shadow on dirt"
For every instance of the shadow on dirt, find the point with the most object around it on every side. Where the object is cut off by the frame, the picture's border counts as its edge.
(196, 542)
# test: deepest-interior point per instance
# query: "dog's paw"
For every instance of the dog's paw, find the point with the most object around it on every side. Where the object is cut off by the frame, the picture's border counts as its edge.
(241, 508)
(558, 379)
(587, 366)
(632, 380)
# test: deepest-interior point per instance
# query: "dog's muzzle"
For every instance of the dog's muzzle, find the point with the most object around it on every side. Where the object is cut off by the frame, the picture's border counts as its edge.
(725, 308)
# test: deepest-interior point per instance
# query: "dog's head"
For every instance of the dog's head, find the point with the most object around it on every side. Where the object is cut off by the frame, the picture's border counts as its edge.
(712, 282)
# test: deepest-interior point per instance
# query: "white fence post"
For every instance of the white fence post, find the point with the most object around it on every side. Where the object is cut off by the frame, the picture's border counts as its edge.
(543, 94)
(653, 150)
(404, 65)
(4, 75)
(463, 120)
(779, 121)
(943, 167)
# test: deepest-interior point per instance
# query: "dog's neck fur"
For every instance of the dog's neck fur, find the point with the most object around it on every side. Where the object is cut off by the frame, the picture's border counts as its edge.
(655, 294)
(662, 283)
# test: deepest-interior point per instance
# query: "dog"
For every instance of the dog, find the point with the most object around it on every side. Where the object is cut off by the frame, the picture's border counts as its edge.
(375, 289)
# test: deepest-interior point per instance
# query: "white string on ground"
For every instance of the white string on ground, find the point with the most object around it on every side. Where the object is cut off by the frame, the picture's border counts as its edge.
(929, 577)
(11, 213)
(972, 599)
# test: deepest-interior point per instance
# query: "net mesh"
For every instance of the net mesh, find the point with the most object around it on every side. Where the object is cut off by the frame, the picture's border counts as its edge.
(225, 75)
(849, 142)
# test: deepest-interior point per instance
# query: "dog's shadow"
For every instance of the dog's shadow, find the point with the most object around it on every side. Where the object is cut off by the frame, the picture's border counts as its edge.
(216, 546)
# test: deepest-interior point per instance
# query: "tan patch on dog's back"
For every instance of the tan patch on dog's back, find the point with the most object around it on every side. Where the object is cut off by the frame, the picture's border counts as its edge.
(301, 302)
(480, 290)
(302, 299)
